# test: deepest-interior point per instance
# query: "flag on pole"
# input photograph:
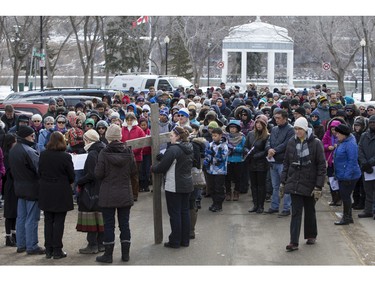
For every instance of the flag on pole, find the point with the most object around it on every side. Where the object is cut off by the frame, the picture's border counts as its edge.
(142, 19)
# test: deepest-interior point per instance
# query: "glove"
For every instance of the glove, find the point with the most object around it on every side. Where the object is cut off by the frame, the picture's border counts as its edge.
(206, 163)
(208, 152)
(316, 193)
(159, 156)
(367, 168)
(281, 190)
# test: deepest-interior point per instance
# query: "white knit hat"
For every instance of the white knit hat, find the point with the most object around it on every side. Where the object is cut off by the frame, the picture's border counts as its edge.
(301, 122)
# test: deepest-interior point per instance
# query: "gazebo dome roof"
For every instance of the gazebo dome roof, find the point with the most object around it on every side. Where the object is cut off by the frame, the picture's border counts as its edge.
(258, 31)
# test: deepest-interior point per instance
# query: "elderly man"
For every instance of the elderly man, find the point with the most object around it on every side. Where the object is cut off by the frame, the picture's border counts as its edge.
(9, 117)
(23, 162)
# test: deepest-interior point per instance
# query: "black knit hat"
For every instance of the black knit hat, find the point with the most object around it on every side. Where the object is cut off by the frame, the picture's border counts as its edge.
(301, 111)
(343, 129)
(25, 131)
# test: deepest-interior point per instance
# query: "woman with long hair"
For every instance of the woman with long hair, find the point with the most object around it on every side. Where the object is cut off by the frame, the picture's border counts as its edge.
(258, 165)
(56, 174)
(176, 164)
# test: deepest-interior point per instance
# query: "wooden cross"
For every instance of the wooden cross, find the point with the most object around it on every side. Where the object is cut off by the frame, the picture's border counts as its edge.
(154, 141)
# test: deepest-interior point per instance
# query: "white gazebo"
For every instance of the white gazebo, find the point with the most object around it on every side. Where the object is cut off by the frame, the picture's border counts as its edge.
(258, 37)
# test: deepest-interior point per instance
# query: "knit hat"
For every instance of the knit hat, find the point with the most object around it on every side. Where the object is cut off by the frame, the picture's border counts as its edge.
(181, 102)
(294, 102)
(343, 129)
(91, 136)
(90, 121)
(51, 101)
(25, 131)
(301, 122)
(79, 105)
(213, 125)
(113, 133)
(130, 115)
(323, 99)
(184, 111)
(114, 115)
(262, 119)
(371, 119)
(23, 118)
(125, 100)
(301, 111)
(164, 113)
(192, 105)
(146, 107)
(102, 123)
(233, 123)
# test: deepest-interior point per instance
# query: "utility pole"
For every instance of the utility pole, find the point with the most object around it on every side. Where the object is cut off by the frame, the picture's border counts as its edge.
(42, 59)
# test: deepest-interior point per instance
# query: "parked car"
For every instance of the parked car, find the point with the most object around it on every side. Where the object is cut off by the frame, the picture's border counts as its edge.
(29, 107)
(59, 92)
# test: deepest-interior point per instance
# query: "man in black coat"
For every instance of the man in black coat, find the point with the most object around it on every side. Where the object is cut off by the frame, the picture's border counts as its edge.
(23, 161)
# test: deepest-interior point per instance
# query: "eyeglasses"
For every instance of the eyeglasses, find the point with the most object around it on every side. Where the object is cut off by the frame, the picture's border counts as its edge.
(179, 115)
(49, 123)
(101, 128)
(61, 122)
(145, 111)
(349, 110)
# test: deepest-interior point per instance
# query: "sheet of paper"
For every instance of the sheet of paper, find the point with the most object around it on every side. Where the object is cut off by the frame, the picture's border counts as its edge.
(270, 159)
(79, 161)
(370, 177)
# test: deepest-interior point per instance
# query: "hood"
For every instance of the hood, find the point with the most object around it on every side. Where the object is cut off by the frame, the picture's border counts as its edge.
(98, 146)
(240, 109)
(217, 110)
(335, 119)
(199, 140)
(237, 102)
(223, 105)
(186, 147)
(334, 123)
(118, 152)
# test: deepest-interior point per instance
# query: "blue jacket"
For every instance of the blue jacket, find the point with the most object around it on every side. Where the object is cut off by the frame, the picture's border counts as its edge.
(216, 158)
(346, 160)
(236, 152)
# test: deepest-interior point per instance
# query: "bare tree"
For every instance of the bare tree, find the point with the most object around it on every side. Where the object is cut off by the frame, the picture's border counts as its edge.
(20, 33)
(53, 49)
(87, 34)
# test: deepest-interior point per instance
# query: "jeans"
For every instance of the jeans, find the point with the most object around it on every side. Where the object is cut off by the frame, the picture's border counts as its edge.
(179, 218)
(299, 204)
(54, 230)
(123, 215)
(369, 187)
(275, 171)
(28, 216)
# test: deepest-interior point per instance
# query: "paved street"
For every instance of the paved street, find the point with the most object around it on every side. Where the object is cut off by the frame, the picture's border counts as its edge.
(232, 237)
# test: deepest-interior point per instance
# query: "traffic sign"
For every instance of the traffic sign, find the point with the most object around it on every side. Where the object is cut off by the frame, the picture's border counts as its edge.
(220, 64)
(326, 66)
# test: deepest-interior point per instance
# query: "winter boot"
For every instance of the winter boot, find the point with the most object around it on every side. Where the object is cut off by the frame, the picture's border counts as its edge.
(236, 196)
(14, 236)
(228, 196)
(338, 201)
(125, 247)
(193, 221)
(9, 241)
(345, 220)
(90, 249)
(333, 201)
(107, 257)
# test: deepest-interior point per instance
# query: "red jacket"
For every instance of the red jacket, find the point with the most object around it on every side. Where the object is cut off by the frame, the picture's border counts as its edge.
(135, 133)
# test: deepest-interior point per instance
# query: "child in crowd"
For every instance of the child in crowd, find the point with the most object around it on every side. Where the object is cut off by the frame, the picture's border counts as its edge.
(215, 163)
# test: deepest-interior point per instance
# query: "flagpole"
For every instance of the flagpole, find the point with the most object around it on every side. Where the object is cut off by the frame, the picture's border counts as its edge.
(149, 58)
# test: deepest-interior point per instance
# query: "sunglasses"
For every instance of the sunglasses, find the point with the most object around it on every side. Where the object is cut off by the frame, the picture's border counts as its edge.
(179, 115)
(49, 123)
(101, 128)
(37, 121)
(61, 122)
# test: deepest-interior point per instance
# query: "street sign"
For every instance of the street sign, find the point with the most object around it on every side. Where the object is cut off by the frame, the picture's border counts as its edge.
(326, 66)
(220, 64)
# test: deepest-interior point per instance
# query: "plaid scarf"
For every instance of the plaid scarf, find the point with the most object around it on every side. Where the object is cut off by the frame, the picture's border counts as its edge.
(303, 152)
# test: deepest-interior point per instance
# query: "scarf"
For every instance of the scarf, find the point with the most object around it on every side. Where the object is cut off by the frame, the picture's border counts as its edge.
(235, 138)
(303, 152)
(87, 146)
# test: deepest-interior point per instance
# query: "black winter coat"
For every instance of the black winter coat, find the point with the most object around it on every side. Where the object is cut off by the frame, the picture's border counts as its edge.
(24, 162)
(56, 174)
(299, 179)
(88, 180)
(257, 157)
(115, 168)
(366, 148)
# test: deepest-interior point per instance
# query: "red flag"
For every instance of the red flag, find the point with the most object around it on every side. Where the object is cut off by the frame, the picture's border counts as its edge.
(142, 19)
(134, 24)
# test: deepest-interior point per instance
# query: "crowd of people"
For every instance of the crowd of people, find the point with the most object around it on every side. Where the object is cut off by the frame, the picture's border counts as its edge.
(282, 146)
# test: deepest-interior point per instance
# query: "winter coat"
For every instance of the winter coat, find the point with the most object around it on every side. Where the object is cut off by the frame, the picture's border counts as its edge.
(257, 157)
(9, 197)
(2, 169)
(56, 173)
(278, 140)
(216, 158)
(346, 160)
(323, 113)
(115, 168)
(235, 152)
(248, 125)
(199, 145)
(176, 164)
(24, 163)
(301, 179)
(366, 148)
(134, 133)
(88, 180)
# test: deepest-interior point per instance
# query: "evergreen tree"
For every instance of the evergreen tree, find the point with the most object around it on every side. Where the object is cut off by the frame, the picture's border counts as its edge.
(178, 59)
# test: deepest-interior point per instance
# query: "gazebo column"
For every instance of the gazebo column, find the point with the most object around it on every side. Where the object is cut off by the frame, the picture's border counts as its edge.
(243, 68)
(271, 69)
(224, 71)
(289, 70)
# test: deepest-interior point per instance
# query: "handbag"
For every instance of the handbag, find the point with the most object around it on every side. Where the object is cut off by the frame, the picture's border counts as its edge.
(198, 177)
(87, 200)
(334, 183)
